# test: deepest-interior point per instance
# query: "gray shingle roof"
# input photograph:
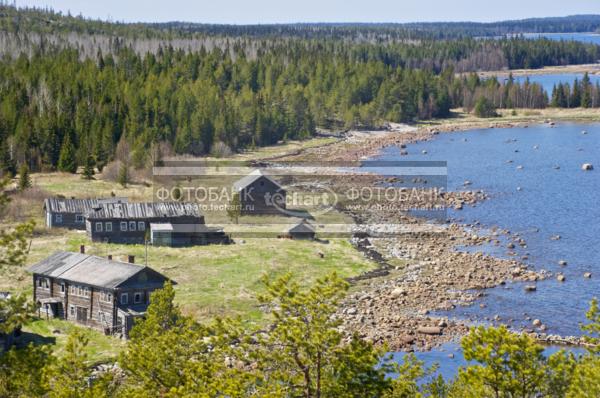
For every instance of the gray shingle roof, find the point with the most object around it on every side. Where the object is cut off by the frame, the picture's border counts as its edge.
(302, 227)
(144, 210)
(87, 269)
(63, 205)
(251, 178)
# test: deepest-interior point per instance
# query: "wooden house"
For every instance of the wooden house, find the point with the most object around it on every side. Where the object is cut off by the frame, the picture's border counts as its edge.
(130, 222)
(260, 194)
(93, 291)
(180, 235)
(70, 213)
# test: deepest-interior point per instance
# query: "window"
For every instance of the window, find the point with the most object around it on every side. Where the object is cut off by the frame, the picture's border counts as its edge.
(132, 225)
(124, 298)
(58, 218)
(72, 310)
(79, 218)
(81, 291)
(106, 297)
(137, 298)
(98, 227)
(43, 283)
(141, 226)
(62, 288)
(123, 225)
(103, 317)
(108, 227)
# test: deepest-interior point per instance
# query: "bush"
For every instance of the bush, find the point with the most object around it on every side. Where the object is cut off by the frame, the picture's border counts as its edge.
(485, 108)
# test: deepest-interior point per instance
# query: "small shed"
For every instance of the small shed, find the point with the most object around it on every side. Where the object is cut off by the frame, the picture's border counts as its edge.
(302, 230)
(181, 235)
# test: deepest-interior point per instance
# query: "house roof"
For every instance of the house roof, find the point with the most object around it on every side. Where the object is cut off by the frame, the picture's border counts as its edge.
(250, 179)
(302, 227)
(88, 270)
(182, 228)
(144, 210)
(64, 205)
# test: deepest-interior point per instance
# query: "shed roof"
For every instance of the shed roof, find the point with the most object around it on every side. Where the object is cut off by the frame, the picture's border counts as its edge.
(144, 210)
(302, 227)
(88, 270)
(64, 205)
(250, 179)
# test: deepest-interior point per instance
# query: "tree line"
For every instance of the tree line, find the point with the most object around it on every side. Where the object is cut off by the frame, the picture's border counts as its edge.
(58, 110)
(45, 20)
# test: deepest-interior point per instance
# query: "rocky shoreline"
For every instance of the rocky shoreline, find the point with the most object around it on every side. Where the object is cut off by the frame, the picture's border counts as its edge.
(422, 272)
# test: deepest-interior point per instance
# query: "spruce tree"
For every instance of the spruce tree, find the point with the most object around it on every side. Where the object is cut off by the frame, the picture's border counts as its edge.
(66, 160)
(88, 170)
(24, 178)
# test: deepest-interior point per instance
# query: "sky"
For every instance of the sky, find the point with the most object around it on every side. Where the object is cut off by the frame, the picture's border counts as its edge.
(285, 11)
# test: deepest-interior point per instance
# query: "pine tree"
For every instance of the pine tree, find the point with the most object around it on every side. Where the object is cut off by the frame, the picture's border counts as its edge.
(67, 161)
(88, 170)
(24, 178)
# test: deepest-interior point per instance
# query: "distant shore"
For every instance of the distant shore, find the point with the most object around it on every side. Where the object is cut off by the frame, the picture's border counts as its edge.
(592, 69)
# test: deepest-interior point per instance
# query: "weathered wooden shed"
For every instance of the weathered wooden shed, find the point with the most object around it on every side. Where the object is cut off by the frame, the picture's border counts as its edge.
(70, 213)
(130, 222)
(302, 230)
(260, 194)
(180, 235)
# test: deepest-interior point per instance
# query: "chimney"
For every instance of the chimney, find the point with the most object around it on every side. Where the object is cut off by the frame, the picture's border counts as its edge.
(131, 259)
(82, 249)
(110, 257)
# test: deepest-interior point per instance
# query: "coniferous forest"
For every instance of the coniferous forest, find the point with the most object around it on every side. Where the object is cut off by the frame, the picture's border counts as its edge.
(71, 87)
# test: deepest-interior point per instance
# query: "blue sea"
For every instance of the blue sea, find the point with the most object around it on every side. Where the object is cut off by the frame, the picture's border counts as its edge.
(586, 37)
(548, 195)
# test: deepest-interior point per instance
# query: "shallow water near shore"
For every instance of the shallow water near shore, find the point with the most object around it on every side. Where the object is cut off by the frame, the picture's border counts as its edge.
(548, 196)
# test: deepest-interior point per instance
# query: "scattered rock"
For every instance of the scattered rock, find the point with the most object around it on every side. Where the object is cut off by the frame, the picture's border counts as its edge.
(536, 323)
(587, 275)
(398, 292)
(560, 278)
(431, 330)
(530, 288)
(562, 263)
(587, 167)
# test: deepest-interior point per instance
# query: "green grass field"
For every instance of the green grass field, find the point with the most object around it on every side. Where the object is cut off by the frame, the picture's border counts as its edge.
(212, 281)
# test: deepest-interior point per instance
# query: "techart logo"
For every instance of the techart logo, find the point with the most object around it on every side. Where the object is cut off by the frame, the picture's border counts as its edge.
(297, 199)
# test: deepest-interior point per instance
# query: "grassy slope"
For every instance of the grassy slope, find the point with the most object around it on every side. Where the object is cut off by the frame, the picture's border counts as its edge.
(212, 280)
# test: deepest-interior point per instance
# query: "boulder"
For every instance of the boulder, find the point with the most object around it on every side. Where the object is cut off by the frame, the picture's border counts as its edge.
(587, 167)
(562, 263)
(587, 275)
(398, 292)
(530, 288)
(537, 323)
(430, 330)
(561, 278)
